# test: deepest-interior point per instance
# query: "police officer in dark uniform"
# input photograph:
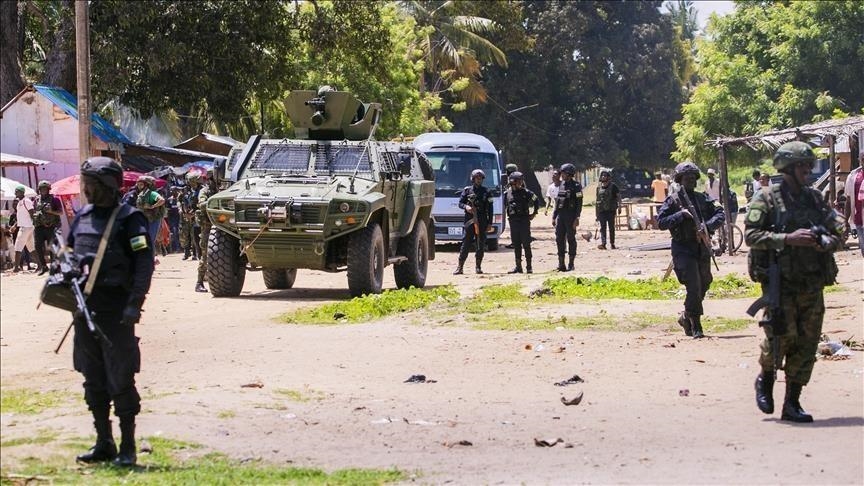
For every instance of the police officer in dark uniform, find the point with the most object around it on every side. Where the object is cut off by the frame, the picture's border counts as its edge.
(780, 226)
(565, 216)
(476, 201)
(115, 301)
(521, 205)
(691, 258)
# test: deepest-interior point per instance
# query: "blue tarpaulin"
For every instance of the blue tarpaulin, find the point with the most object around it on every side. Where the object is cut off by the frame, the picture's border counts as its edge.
(100, 127)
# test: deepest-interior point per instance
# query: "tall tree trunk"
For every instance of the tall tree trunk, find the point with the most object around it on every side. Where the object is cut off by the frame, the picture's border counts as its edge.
(11, 76)
(60, 63)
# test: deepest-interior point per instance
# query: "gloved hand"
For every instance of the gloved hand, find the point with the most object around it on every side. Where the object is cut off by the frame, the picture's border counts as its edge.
(131, 315)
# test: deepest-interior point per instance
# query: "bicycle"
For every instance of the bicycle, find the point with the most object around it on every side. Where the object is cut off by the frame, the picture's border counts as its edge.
(719, 243)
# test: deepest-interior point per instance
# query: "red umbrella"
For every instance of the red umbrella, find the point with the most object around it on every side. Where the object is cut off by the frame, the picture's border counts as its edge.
(71, 186)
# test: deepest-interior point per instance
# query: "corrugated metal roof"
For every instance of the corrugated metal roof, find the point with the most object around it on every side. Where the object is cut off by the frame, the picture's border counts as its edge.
(100, 127)
(771, 140)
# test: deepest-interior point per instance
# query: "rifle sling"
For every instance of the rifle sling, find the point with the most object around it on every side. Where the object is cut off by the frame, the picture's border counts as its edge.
(103, 245)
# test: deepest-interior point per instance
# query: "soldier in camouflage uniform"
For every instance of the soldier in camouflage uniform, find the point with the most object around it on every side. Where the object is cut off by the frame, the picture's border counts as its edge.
(206, 191)
(782, 219)
(188, 207)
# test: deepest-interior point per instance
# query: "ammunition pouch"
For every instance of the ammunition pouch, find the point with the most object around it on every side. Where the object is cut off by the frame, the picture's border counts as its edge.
(757, 265)
(57, 292)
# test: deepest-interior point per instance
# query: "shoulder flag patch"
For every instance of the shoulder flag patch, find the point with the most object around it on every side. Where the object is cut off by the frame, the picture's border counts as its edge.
(138, 242)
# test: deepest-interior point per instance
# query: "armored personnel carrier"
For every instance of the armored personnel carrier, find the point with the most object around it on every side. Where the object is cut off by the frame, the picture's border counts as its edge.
(330, 199)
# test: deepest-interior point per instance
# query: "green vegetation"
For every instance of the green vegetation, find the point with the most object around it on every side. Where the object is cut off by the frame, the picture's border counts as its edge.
(607, 288)
(43, 436)
(226, 414)
(163, 467)
(602, 321)
(300, 396)
(370, 307)
(27, 401)
(732, 286)
(495, 296)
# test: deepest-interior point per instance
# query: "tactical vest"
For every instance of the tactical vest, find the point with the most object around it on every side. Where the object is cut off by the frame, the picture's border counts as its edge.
(41, 217)
(116, 269)
(518, 203)
(801, 268)
(569, 195)
(152, 214)
(686, 231)
(605, 198)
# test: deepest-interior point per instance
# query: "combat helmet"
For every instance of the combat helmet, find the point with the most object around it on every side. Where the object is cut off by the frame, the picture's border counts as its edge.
(516, 176)
(791, 153)
(147, 180)
(477, 172)
(44, 184)
(106, 170)
(511, 168)
(193, 177)
(685, 168)
(569, 169)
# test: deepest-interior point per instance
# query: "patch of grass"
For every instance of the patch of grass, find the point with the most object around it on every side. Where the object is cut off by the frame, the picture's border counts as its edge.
(271, 406)
(162, 466)
(724, 324)
(43, 436)
(370, 307)
(653, 288)
(601, 321)
(226, 414)
(495, 296)
(300, 396)
(733, 286)
(30, 402)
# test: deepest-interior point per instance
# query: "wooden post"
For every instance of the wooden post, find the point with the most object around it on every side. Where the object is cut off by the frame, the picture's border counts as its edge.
(832, 170)
(82, 61)
(724, 199)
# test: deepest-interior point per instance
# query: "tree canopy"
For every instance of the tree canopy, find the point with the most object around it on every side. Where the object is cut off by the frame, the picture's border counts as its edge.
(773, 65)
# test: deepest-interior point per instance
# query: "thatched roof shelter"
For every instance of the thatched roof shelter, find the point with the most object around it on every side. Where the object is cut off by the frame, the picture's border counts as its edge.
(771, 140)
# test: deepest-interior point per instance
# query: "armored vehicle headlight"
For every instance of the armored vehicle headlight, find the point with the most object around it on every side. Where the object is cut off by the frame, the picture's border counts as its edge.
(344, 207)
(226, 204)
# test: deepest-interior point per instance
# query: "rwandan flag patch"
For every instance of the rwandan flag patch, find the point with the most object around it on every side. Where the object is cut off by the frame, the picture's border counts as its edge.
(138, 242)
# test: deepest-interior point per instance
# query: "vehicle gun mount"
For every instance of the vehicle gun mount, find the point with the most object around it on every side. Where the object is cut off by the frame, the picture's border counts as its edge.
(331, 115)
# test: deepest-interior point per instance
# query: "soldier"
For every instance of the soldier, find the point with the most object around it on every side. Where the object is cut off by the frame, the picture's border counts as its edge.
(204, 223)
(121, 284)
(522, 206)
(510, 169)
(188, 225)
(690, 255)
(608, 201)
(476, 201)
(565, 216)
(151, 204)
(46, 219)
(779, 221)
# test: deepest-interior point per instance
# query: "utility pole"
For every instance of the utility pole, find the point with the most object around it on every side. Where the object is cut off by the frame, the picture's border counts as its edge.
(82, 61)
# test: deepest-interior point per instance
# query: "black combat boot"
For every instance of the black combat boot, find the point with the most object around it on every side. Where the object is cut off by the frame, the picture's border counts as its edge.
(126, 457)
(684, 322)
(765, 392)
(199, 287)
(517, 268)
(528, 268)
(570, 265)
(696, 322)
(792, 410)
(459, 270)
(561, 267)
(186, 253)
(105, 449)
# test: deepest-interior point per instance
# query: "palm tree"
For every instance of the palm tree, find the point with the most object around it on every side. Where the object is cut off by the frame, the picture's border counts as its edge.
(454, 46)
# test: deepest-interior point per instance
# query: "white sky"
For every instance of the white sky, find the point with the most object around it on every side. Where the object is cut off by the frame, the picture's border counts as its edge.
(704, 9)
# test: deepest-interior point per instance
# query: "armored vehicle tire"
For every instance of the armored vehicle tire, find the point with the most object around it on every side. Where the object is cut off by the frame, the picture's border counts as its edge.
(366, 261)
(492, 245)
(279, 278)
(226, 270)
(415, 247)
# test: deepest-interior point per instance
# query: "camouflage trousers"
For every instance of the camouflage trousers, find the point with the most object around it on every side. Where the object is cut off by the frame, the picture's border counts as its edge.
(202, 258)
(187, 233)
(803, 313)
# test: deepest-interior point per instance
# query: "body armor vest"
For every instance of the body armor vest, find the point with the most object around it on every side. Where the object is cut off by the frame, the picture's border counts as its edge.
(518, 203)
(116, 269)
(605, 198)
(568, 195)
(42, 217)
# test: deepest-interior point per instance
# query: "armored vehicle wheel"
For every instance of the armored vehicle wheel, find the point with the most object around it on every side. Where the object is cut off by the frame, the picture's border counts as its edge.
(226, 270)
(366, 261)
(279, 278)
(492, 245)
(415, 247)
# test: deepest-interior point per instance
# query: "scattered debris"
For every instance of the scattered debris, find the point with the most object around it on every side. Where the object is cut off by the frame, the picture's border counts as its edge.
(254, 384)
(635, 272)
(537, 348)
(547, 442)
(338, 315)
(144, 447)
(385, 420)
(419, 379)
(570, 381)
(833, 350)
(541, 292)
(574, 401)
(559, 349)
(670, 345)
(466, 443)
(684, 392)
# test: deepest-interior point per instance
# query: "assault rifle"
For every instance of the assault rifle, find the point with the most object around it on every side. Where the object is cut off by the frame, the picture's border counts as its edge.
(472, 201)
(701, 230)
(65, 271)
(773, 316)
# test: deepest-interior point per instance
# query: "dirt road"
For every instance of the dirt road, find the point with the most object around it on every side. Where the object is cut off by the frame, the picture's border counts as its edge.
(658, 407)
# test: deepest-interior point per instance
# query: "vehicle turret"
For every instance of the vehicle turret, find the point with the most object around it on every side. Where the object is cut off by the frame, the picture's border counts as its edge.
(331, 115)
